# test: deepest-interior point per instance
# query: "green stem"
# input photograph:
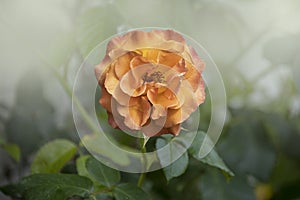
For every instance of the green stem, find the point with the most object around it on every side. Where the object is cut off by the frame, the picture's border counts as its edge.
(142, 175)
(141, 179)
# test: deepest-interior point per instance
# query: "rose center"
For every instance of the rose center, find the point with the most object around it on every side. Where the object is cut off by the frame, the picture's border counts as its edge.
(156, 77)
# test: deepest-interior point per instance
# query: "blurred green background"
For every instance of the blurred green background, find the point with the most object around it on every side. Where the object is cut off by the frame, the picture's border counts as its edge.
(255, 44)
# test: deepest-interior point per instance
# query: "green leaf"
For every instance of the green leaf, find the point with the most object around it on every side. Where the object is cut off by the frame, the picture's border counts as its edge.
(82, 171)
(176, 168)
(55, 186)
(103, 174)
(212, 159)
(53, 156)
(81, 166)
(13, 150)
(129, 192)
(13, 190)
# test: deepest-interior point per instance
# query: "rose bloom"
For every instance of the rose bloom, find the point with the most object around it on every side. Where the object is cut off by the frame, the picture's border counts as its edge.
(150, 81)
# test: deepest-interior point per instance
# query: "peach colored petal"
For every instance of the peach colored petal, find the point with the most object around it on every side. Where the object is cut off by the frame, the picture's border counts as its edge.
(174, 117)
(130, 83)
(158, 39)
(121, 97)
(137, 113)
(133, 80)
(111, 81)
(200, 92)
(139, 91)
(139, 66)
(138, 61)
(168, 58)
(180, 67)
(153, 127)
(174, 130)
(105, 99)
(102, 68)
(190, 104)
(149, 54)
(119, 120)
(174, 84)
(193, 76)
(158, 111)
(196, 60)
(166, 99)
(123, 64)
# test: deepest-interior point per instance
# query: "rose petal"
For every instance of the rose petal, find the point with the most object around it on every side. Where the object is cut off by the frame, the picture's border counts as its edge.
(122, 65)
(157, 39)
(105, 99)
(166, 99)
(174, 130)
(196, 60)
(180, 67)
(200, 92)
(193, 76)
(153, 127)
(111, 120)
(137, 113)
(158, 111)
(101, 69)
(190, 104)
(151, 55)
(168, 58)
(121, 97)
(133, 79)
(111, 81)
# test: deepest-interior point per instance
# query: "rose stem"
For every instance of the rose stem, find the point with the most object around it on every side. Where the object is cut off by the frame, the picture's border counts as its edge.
(142, 175)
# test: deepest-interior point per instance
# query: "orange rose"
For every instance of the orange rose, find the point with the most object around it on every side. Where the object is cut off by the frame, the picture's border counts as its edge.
(150, 81)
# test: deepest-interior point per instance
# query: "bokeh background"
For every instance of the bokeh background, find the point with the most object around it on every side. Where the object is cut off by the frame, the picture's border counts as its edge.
(255, 44)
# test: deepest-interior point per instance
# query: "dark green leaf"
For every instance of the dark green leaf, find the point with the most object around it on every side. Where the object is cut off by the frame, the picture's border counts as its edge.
(53, 156)
(103, 174)
(14, 190)
(55, 186)
(129, 192)
(212, 158)
(176, 168)
(104, 196)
